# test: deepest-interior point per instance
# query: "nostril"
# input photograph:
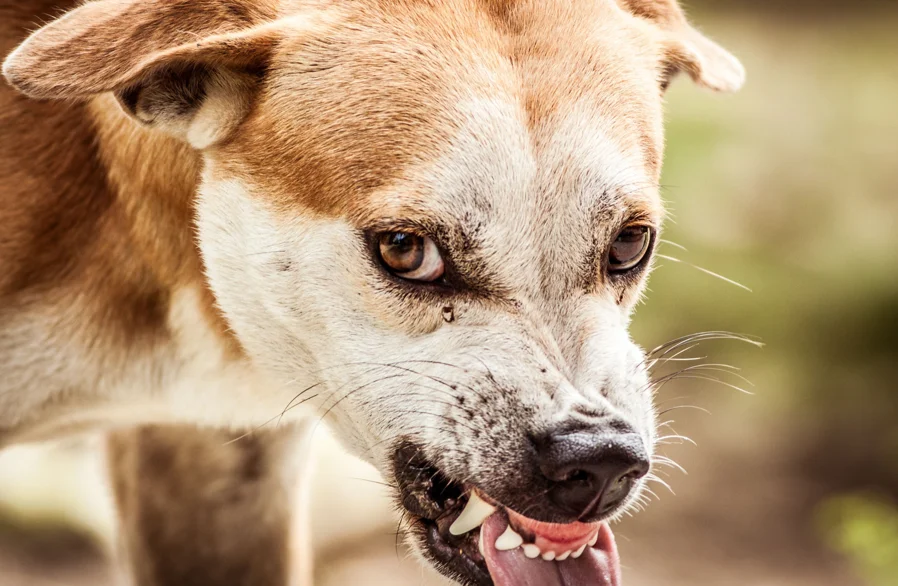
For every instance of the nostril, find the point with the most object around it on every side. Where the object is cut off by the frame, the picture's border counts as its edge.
(639, 467)
(577, 476)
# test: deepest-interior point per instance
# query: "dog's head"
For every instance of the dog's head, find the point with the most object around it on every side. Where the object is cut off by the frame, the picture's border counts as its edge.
(435, 218)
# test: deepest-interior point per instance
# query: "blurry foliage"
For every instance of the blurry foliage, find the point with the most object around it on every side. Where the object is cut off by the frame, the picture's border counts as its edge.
(791, 188)
(865, 528)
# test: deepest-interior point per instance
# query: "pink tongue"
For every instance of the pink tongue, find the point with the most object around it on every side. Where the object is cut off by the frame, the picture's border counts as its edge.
(595, 567)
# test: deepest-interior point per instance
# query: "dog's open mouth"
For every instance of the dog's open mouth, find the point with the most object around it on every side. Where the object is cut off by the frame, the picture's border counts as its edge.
(478, 541)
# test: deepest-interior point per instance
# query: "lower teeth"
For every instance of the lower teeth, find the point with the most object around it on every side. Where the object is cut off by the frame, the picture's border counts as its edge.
(509, 540)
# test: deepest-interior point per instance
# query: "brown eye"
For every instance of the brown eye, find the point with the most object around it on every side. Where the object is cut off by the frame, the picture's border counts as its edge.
(629, 248)
(410, 256)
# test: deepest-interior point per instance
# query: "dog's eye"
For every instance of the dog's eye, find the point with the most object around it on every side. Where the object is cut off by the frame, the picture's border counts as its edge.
(629, 248)
(410, 256)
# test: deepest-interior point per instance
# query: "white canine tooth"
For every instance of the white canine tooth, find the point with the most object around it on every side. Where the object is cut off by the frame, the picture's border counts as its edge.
(476, 512)
(480, 545)
(564, 556)
(549, 556)
(531, 551)
(579, 552)
(594, 540)
(509, 540)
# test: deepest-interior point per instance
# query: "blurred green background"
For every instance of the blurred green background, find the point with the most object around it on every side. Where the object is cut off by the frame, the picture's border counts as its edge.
(790, 188)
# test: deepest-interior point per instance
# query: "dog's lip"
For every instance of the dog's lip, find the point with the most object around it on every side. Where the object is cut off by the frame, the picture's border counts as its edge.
(552, 536)
(463, 560)
(458, 556)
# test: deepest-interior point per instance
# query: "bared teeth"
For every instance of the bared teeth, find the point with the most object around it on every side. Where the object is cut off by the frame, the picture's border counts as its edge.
(509, 540)
(532, 551)
(476, 512)
(594, 540)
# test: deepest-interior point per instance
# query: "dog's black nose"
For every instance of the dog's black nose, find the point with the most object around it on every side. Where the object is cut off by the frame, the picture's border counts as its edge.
(592, 470)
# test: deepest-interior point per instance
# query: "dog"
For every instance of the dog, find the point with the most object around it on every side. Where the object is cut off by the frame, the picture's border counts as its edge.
(425, 222)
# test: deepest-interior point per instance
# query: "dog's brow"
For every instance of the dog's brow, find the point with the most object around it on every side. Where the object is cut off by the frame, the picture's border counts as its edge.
(614, 208)
(441, 231)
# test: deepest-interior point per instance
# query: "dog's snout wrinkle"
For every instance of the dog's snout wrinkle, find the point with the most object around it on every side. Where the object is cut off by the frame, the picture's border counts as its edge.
(535, 320)
(587, 412)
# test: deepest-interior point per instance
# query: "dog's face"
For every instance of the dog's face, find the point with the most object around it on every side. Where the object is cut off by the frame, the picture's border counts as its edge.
(432, 220)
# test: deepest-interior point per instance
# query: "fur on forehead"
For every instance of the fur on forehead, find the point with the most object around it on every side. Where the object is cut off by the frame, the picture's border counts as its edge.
(327, 102)
(348, 113)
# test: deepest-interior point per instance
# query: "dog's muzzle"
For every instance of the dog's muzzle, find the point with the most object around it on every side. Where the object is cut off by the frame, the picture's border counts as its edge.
(585, 476)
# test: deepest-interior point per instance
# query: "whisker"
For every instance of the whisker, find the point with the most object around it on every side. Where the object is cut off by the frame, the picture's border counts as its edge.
(665, 461)
(654, 478)
(260, 426)
(681, 376)
(683, 438)
(676, 357)
(706, 271)
(676, 407)
(266, 252)
(676, 343)
(648, 490)
(369, 481)
(674, 244)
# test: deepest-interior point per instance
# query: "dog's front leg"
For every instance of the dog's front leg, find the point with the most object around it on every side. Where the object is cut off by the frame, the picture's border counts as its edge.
(198, 507)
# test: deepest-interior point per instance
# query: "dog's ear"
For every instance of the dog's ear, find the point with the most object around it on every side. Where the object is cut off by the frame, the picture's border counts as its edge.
(188, 67)
(688, 50)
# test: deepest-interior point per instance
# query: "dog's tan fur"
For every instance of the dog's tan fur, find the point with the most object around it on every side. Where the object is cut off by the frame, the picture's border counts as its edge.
(106, 315)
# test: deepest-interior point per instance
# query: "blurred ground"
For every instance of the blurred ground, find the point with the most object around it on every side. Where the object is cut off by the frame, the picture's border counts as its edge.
(789, 188)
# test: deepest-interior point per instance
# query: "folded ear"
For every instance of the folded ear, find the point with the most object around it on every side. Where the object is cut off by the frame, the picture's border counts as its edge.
(688, 50)
(188, 67)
